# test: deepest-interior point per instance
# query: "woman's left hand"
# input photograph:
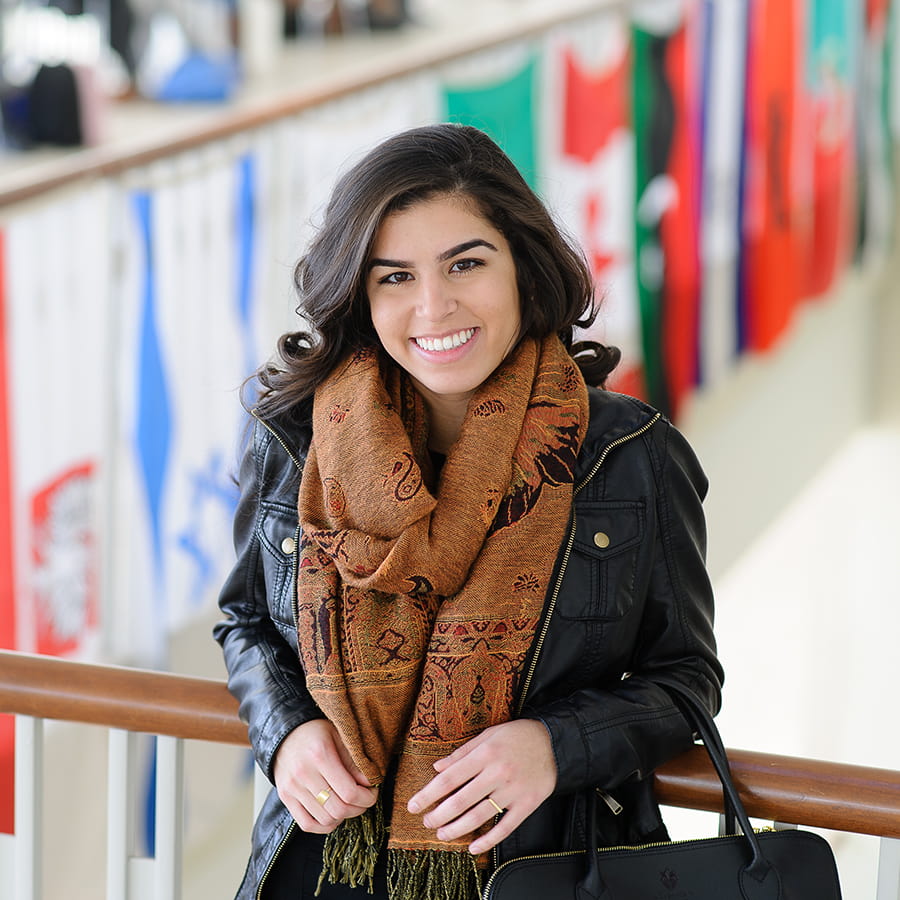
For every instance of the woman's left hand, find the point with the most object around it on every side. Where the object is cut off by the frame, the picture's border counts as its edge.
(512, 764)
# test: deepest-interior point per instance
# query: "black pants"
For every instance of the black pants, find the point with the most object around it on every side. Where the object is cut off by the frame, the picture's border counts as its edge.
(296, 874)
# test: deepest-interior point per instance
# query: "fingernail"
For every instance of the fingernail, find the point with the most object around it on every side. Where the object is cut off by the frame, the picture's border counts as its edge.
(475, 849)
(413, 806)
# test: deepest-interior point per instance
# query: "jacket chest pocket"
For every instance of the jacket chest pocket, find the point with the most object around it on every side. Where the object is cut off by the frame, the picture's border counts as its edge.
(278, 533)
(601, 572)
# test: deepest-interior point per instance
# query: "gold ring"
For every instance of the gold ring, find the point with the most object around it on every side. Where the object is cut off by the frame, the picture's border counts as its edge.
(322, 796)
(499, 809)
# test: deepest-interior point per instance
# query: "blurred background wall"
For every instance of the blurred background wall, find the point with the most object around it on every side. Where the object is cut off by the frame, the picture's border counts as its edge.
(728, 166)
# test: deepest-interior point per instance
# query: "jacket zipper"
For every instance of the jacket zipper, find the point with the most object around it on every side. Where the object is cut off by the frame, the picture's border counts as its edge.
(278, 438)
(551, 606)
(568, 552)
(274, 859)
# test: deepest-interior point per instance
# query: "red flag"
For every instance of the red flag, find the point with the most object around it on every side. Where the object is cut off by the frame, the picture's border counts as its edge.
(596, 106)
(595, 142)
(680, 223)
(777, 213)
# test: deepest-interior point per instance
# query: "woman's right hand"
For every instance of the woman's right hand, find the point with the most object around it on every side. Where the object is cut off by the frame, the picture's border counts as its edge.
(313, 758)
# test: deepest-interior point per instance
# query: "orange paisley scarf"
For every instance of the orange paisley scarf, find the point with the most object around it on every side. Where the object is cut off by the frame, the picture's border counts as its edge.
(418, 595)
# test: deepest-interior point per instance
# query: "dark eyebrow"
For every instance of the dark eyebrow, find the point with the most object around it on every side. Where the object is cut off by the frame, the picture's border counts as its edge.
(389, 264)
(447, 254)
(465, 245)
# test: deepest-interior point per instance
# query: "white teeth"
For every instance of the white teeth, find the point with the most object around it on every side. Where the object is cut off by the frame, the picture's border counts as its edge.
(447, 343)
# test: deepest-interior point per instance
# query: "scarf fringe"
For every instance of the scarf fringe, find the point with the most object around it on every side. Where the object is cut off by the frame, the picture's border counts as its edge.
(433, 875)
(352, 848)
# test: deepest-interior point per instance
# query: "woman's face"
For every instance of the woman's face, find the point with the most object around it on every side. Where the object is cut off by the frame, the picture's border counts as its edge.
(443, 296)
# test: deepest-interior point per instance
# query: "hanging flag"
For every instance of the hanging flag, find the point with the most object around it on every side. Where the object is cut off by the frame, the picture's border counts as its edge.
(725, 75)
(52, 430)
(153, 417)
(875, 175)
(777, 176)
(7, 579)
(64, 561)
(588, 175)
(496, 93)
(57, 309)
(666, 98)
(834, 28)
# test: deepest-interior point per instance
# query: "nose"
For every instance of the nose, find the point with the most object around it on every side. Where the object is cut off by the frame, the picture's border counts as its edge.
(436, 299)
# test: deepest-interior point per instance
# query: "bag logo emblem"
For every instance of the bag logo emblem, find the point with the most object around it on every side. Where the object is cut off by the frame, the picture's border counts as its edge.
(669, 879)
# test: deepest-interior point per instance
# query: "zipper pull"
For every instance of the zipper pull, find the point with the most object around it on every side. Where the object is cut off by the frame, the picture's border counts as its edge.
(610, 801)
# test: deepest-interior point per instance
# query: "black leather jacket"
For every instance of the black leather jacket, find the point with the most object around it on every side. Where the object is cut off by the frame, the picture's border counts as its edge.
(630, 605)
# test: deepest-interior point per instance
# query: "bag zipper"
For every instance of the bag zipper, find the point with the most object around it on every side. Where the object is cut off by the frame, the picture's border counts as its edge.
(615, 807)
(561, 853)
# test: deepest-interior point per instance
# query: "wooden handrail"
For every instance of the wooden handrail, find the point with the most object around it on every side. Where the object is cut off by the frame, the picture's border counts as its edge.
(314, 75)
(119, 697)
(810, 792)
(807, 792)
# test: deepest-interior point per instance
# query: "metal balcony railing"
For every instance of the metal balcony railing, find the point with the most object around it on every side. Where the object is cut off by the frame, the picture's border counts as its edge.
(782, 789)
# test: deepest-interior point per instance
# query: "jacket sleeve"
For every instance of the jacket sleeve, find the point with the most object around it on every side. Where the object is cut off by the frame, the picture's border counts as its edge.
(606, 734)
(264, 671)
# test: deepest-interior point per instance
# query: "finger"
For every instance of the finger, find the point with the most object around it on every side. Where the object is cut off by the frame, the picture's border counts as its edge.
(473, 819)
(459, 753)
(310, 823)
(458, 803)
(334, 776)
(328, 808)
(351, 766)
(505, 826)
(454, 776)
(306, 820)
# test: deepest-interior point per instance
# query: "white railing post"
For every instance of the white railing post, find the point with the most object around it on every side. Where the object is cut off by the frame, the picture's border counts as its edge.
(169, 817)
(7, 865)
(888, 870)
(28, 807)
(119, 814)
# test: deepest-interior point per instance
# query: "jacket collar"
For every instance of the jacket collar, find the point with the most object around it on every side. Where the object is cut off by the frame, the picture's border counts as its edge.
(612, 417)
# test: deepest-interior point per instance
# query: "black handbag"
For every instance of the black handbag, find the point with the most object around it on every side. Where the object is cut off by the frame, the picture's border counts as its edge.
(770, 865)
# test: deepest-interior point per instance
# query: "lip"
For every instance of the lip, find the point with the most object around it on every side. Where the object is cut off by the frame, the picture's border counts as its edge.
(450, 354)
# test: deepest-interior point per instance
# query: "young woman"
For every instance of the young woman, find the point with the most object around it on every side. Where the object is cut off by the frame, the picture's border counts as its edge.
(464, 568)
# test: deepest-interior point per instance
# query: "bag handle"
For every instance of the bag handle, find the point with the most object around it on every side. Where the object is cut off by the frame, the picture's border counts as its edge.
(758, 879)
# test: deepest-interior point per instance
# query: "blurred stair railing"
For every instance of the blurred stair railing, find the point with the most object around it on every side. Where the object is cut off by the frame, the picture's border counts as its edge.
(177, 708)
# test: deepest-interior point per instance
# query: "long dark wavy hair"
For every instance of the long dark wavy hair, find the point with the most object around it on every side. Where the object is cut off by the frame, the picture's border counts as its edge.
(554, 283)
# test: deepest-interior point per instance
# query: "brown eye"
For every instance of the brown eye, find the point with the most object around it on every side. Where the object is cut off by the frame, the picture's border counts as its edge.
(466, 265)
(395, 278)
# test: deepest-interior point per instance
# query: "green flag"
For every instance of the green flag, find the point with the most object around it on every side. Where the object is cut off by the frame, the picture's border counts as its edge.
(505, 109)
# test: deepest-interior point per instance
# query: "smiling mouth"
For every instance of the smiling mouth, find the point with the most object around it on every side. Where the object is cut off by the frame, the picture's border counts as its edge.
(448, 342)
